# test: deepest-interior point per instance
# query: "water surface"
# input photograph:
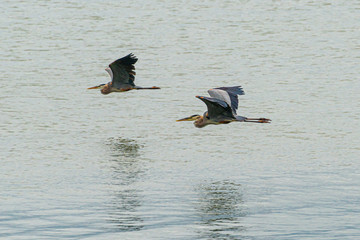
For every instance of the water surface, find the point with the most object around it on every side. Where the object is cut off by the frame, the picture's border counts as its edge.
(79, 165)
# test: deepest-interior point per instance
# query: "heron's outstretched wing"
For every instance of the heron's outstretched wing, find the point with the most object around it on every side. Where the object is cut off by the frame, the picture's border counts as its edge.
(123, 70)
(227, 94)
(217, 108)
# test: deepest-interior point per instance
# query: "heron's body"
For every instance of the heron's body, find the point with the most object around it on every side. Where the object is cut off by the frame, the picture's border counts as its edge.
(122, 73)
(222, 106)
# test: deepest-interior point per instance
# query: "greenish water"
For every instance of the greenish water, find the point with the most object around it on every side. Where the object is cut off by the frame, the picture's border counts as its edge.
(79, 165)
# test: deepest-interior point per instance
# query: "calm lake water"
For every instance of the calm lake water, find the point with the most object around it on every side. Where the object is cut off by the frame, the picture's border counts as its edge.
(79, 165)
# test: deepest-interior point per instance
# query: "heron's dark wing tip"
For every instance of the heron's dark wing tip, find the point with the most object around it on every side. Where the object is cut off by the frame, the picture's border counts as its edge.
(129, 59)
(236, 90)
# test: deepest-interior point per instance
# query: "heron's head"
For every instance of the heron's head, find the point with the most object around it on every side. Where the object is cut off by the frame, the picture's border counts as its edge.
(101, 86)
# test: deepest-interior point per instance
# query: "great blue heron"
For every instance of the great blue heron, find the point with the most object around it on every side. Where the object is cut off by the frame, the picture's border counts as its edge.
(122, 73)
(222, 107)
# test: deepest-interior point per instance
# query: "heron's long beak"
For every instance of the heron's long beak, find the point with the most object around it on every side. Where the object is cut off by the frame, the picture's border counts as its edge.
(191, 118)
(96, 87)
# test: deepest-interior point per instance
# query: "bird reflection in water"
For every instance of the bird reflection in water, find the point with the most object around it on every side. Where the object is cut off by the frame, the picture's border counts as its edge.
(220, 208)
(122, 147)
(126, 198)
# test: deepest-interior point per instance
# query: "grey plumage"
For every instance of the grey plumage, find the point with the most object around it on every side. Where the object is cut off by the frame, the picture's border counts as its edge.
(123, 71)
(223, 101)
(228, 95)
(218, 110)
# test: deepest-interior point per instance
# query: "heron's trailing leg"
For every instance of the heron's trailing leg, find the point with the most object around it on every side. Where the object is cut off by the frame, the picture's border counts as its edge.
(257, 120)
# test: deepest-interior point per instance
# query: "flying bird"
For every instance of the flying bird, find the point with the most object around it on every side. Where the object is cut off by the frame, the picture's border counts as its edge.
(122, 73)
(222, 106)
